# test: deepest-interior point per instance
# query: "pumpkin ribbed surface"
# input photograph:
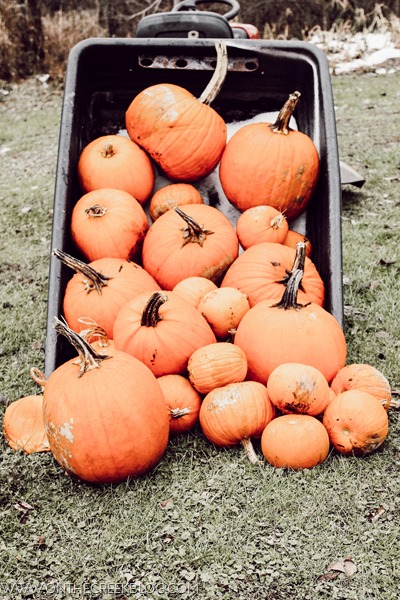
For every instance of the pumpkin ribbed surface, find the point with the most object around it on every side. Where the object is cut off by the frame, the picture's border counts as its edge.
(216, 365)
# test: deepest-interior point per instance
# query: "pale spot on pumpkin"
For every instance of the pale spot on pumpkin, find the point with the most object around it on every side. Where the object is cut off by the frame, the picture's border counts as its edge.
(66, 431)
(223, 399)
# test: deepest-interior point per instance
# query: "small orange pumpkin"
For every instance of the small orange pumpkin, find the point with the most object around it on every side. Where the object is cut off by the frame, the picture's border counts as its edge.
(193, 289)
(162, 330)
(193, 240)
(108, 223)
(169, 196)
(366, 378)
(261, 224)
(298, 388)
(265, 163)
(295, 442)
(115, 161)
(235, 413)
(223, 310)
(183, 402)
(356, 423)
(216, 365)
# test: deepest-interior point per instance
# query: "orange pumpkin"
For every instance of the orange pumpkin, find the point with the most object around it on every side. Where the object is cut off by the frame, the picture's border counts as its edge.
(216, 365)
(99, 289)
(265, 163)
(235, 413)
(183, 134)
(298, 388)
(294, 237)
(194, 240)
(365, 378)
(162, 330)
(261, 224)
(183, 402)
(105, 418)
(115, 161)
(23, 425)
(295, 442)
(274, 333)
(193, 289)
(169, 196)
(261, 273)
(108, 223)
(223, 310)
(356, 423)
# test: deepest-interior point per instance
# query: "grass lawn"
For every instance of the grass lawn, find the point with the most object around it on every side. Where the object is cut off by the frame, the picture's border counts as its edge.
(205, 524)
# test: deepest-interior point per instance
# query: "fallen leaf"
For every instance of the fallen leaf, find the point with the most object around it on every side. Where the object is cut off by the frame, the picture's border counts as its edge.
(328, 576)
(375, 514)
(344, 565)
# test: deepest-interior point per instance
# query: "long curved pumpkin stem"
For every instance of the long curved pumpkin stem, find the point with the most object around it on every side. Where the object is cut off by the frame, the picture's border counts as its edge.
(216, 82)
(150, 314)
(95, 280)
(194, 232)
(88, 357)
(299, 263)
(281, 124)
(93, 330)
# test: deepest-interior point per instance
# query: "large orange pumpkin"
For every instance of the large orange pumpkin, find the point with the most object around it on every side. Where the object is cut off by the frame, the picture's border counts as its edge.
(295, 442)
(99, 289)
(105, 418)
(162, 330)
(108, 223)
(265, 163)
(235, 413)
(274, 333)
(193, 240)
(261, 273)
(356, 423)
(115, 161)
(183, 134)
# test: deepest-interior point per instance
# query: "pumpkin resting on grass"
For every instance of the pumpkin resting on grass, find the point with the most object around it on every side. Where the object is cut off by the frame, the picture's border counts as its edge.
(365, 378)
(183, 402)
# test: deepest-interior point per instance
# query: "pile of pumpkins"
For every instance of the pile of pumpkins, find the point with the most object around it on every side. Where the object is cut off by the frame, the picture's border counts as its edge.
(190, 320)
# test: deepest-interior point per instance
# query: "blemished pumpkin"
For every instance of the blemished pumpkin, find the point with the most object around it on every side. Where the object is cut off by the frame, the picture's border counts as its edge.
(216, 365)
(295, 442)
(262, 271)
(23, 425)
(273, 333)
(189, 241)
(174, 194)
(162, 330)
(108, 223)
(99, 289)
(193, 289)
(364, 377)
(105, 417)
(183, 402)
(298, 388)
(356, 423)
(261, 224)
(183, 134)
(223, 310)
(235, 413)
(265, 163)
(115, 161)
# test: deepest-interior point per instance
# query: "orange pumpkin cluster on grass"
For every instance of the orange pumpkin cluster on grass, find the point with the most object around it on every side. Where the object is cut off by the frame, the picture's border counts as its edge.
(181, 320)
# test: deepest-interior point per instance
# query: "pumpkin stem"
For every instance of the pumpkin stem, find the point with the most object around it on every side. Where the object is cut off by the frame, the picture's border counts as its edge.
(150, 314)
(38, 376)
(88, 357)
(281, 124)
(276, 222)
(96, 210)
(93, 331)
(93, 279)
(250, 452)
(177, 413)
(193, 232)
(108, 151)
(215, 84)
(298, 264)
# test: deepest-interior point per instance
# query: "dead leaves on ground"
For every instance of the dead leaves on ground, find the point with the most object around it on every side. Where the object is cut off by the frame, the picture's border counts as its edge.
(344, 566)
